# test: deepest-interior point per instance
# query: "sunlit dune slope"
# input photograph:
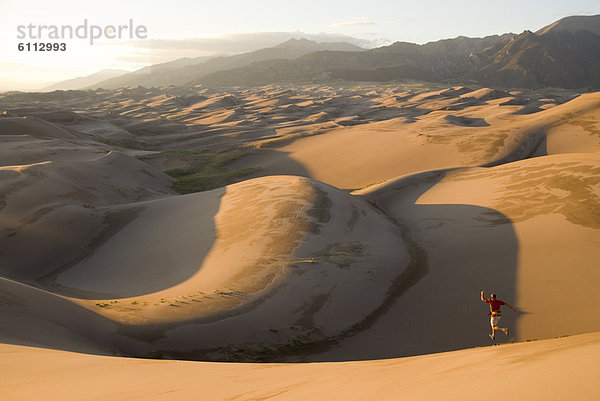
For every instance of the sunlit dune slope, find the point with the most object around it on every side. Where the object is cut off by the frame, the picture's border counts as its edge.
(563, 369)
(438, 130)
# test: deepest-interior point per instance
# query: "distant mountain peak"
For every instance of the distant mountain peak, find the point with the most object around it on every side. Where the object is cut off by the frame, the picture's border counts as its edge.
(307, 44)
(523, 36)
(302, 40)
(85, 81)
(297, 42)
(573, 24)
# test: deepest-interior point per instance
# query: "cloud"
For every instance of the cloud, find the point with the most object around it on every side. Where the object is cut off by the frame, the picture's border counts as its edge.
(231, 44)
(135, 58)
(568, 12)
(354, 22)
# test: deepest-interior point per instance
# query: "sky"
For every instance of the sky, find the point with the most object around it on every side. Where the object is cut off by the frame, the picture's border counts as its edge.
(179, 28)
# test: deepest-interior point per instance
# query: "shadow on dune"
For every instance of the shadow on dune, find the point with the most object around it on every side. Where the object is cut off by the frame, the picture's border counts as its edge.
(534, 145)
(463, 121)
(272, 162)
(36, 318)
(143, 248)
(457, 251)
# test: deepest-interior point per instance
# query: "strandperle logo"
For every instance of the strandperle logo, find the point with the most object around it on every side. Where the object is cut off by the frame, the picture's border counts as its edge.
(83, 31)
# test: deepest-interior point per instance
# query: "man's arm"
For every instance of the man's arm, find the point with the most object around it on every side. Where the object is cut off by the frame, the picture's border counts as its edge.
(482, 298)
(510, 306)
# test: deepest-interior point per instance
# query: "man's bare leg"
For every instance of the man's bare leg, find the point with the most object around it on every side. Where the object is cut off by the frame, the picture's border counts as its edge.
(503, 329)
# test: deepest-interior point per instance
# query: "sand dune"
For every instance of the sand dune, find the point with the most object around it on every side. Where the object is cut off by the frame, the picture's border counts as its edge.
(483, 134)
(34, 317)
(527, 230)
(32, 126)
(51, 190)
(335, 224)
(184, 264)
(563, 368)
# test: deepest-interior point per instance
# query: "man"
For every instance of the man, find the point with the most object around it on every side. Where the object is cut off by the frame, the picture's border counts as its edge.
(495, 313)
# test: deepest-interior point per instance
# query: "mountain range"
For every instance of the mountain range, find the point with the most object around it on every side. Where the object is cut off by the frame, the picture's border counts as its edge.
(564, 54)
(88, 80)
(183, 71)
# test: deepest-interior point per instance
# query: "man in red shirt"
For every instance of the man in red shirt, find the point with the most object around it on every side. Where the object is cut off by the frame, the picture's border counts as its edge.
(495, 313)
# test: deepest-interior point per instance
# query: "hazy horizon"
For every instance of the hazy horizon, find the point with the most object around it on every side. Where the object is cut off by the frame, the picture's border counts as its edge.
(193, 29)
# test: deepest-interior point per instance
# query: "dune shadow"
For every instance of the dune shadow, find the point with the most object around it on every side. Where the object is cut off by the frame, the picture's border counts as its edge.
(412, 113)
(530, 108)
(534, 145)
(463, 121)
(143, 248)
(36, 318)
(457, 251)
(464, 103)
(269, 161)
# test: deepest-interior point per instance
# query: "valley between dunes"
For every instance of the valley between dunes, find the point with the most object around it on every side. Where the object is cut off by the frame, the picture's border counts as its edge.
(353, 226)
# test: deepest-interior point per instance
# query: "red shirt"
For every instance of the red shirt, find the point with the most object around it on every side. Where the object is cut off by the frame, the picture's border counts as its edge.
(495, 304)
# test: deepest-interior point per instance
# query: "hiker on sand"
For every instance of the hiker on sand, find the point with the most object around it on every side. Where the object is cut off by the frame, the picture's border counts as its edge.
(495, 313)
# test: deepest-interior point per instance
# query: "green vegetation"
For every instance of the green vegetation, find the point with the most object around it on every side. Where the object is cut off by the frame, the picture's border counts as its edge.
(108, 141)
(286, 139)
(231, 292)
(201, 171)
(124, 144)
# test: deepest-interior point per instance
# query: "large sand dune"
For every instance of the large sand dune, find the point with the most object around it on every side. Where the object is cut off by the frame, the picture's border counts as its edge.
(558, 369)
(454, 132)
(283, 257)
(363, 224)
(527, 230)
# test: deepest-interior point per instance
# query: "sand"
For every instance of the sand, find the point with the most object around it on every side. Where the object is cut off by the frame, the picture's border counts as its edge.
(558, 369)
(345, 224)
